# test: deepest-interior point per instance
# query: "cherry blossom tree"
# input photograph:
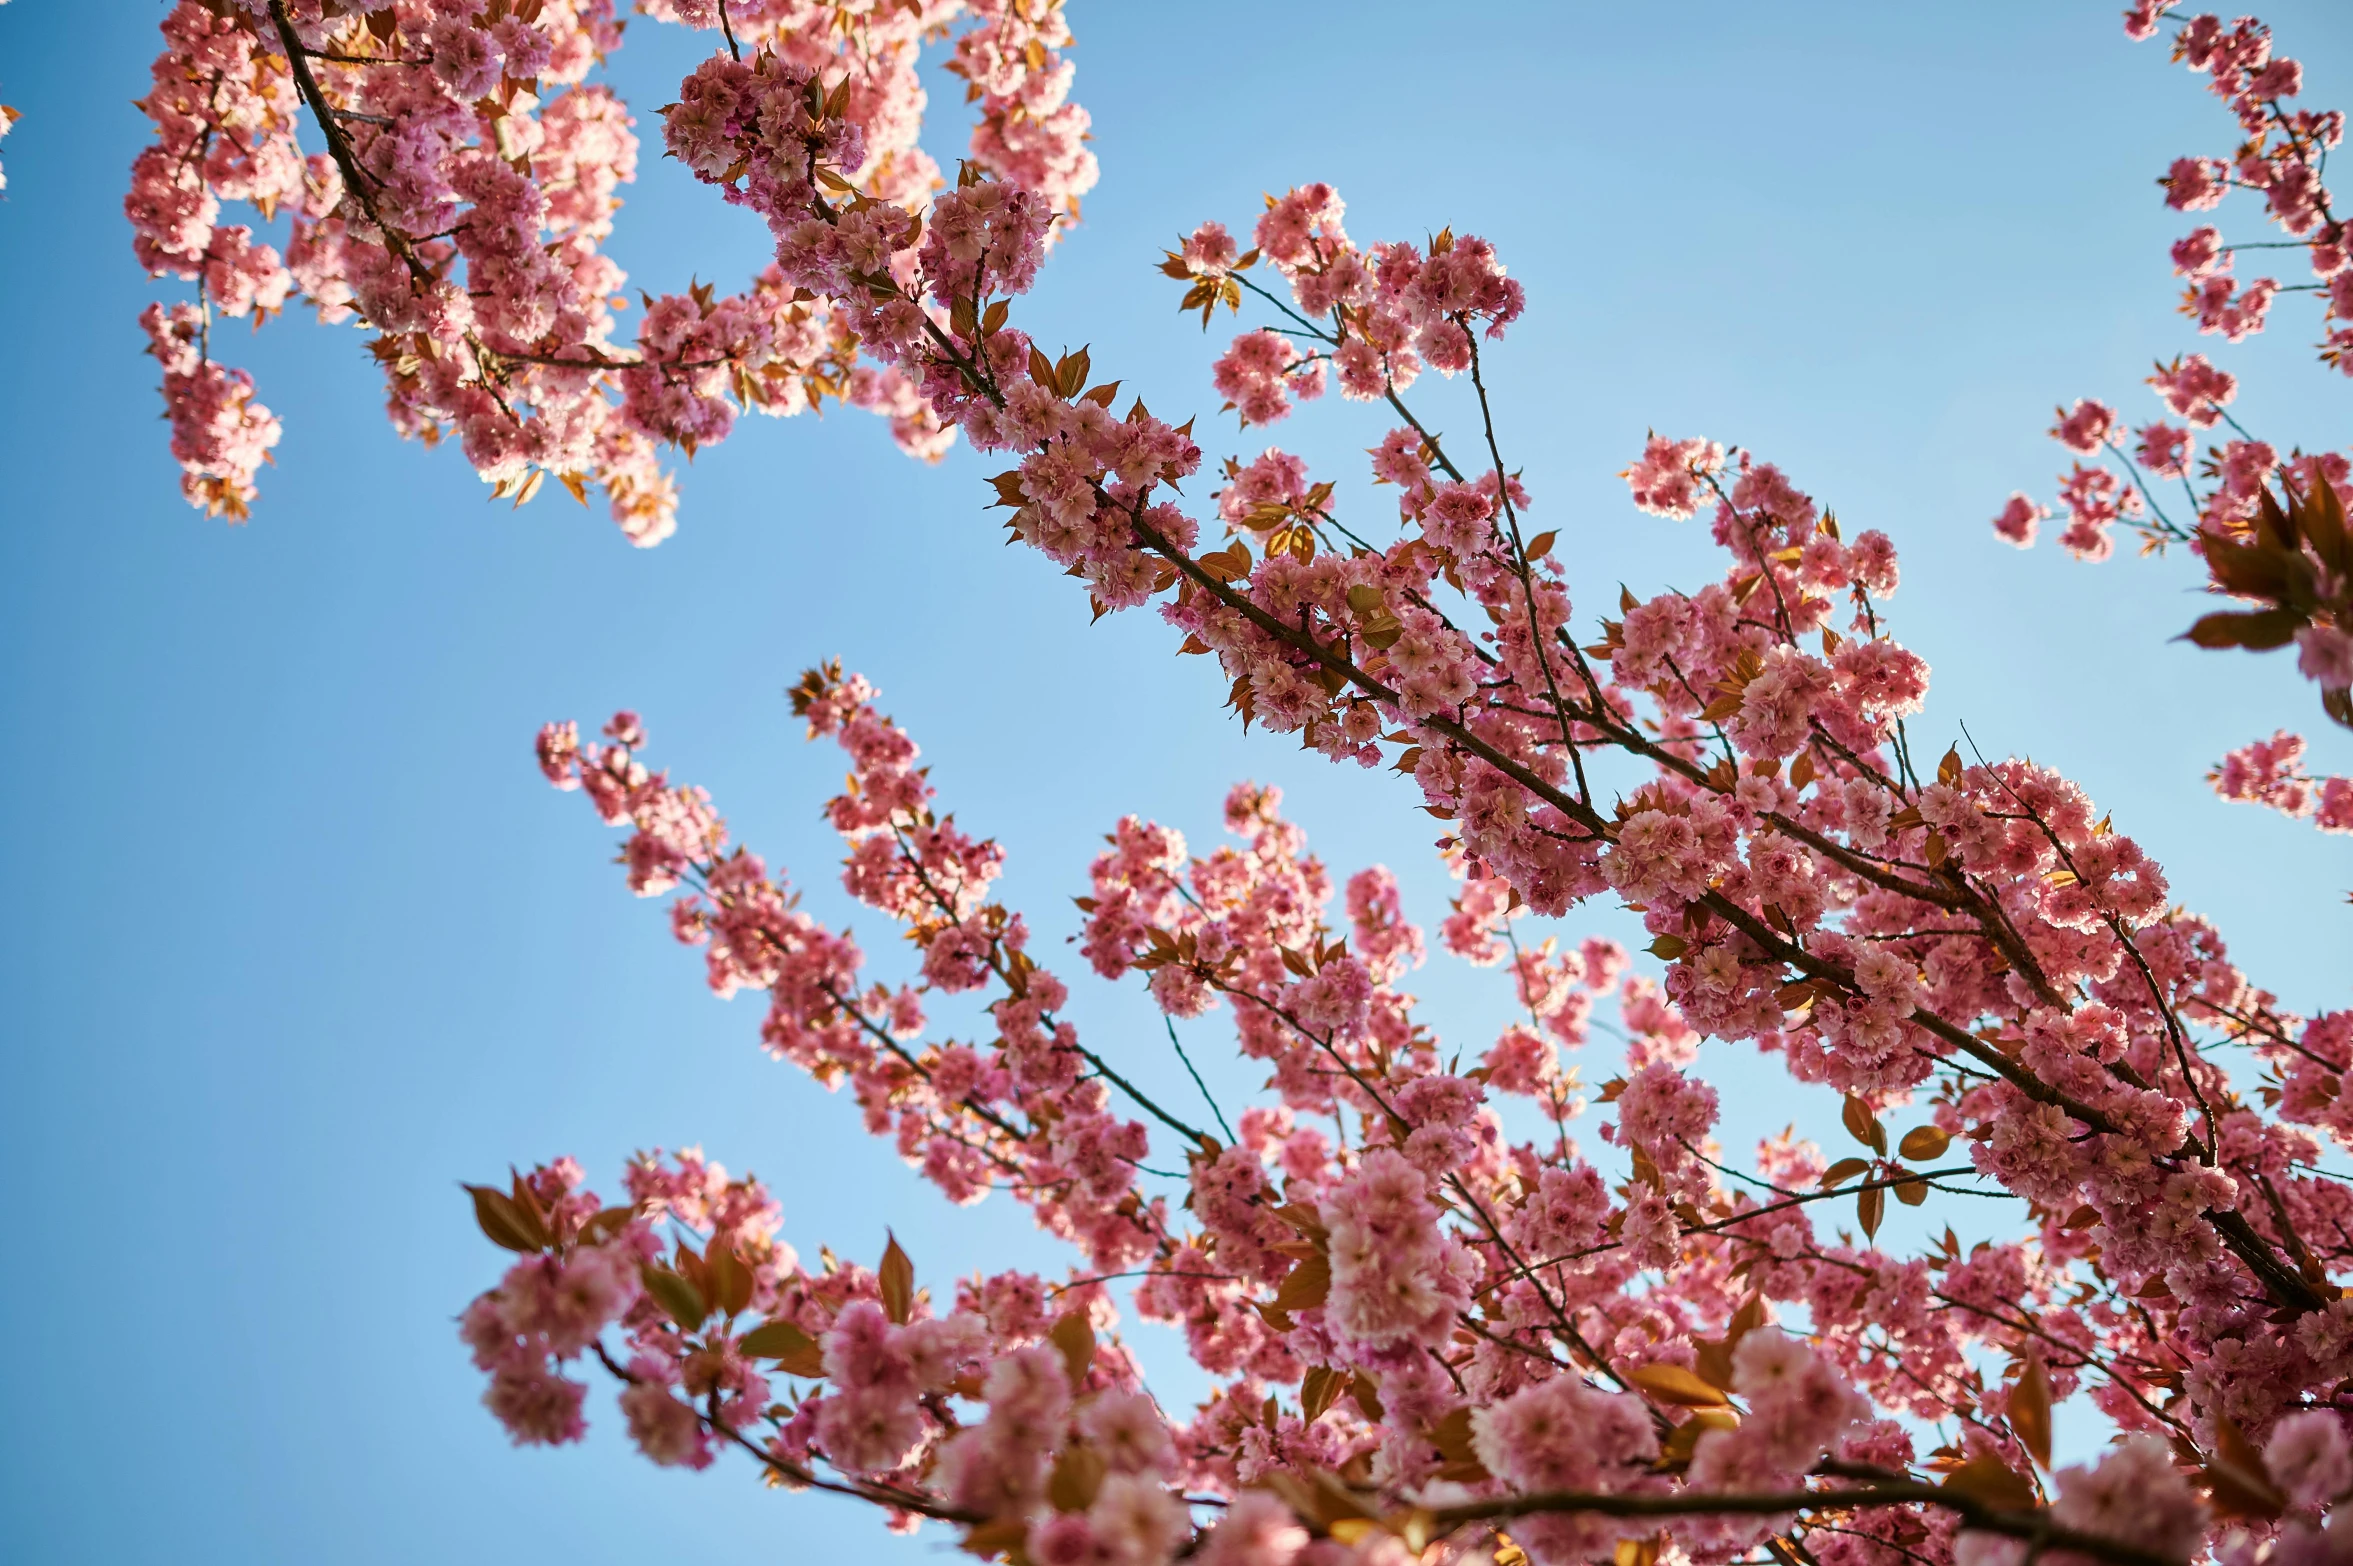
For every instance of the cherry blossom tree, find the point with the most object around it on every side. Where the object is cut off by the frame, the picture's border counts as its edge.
(1436, 1327)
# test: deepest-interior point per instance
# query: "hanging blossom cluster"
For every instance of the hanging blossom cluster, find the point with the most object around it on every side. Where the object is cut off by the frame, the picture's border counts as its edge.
(462, 182)
(1435, 1325)
(2282, 160)
(1375, 318)
(1030, 1114)
(2271, 772)
(2200, 478)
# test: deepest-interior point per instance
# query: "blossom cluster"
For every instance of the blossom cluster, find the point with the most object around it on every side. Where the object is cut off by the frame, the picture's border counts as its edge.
(2124, 476)
(1023, 1112)
(1374, 317)
(468, 184)
(220, 435)
(2271, 772)
(2283, 159)
(2294, 557)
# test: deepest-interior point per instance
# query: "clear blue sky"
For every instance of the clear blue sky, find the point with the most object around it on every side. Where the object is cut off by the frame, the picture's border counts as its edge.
(298, 938)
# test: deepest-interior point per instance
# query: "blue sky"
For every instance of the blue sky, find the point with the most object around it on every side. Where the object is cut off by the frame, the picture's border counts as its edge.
(299, 939)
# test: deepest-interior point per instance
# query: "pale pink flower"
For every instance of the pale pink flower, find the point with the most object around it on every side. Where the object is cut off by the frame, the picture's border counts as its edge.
(2308, 1458)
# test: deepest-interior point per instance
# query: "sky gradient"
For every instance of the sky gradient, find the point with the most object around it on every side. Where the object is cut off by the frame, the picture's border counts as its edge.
(300, 939)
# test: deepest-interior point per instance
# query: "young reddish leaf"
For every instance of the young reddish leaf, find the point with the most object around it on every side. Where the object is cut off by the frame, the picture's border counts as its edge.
(1452, 1435)
(794, 1351)
(2324, 525)
(1864, 1126)
(507, 1225)
(2273, 524)
(2257, 630)
(2243, 569)
(1076, 1480)
(1307, 1285)
(897, 1279)
(1306, 1220)
(729, 1278)
(1075, 1338)
(1745, 1320)
(679, 1298)
(1712, 1360)
(1844, 1170)
(1994, 1482)
(1924, 1142)
(1676, 1451)
(1319, 1390)
(2030, 1409)
(1541, 545)
(605, 1225)
(991, 1539)
(1676, 1385)
(2238, 1481)
(1870, 1207)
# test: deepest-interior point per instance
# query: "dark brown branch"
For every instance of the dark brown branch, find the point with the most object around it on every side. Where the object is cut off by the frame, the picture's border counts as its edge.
(1974, 1514)
(997, 966)
(795, 1474)
(355, 180)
